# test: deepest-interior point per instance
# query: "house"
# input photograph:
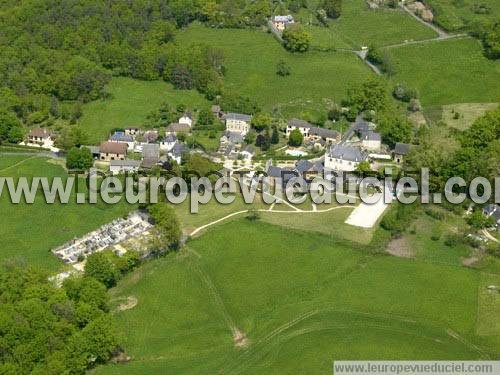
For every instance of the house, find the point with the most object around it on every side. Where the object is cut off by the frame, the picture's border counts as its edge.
(132, 131)
(121, 137)
(231, 137)
(344, 158)
(308, 170)
(302, 125)
(400, 151)
(238, 123)
(122, 166)
(178, 151)
(168, 142)
(109, 151)
(41, 138)
(248, 152)
(186, 119)
(492, 211)
(280, 23)
(217, 112)
(371, 140)
(312, 133)
(150, 155)
(175, 128)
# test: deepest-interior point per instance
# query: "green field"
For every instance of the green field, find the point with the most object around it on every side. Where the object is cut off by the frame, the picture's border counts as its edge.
(361, 26)
(29, 231)
(446, 72)
(467, 112)
(131, 101)
(299, 301)
(458, 14)
(251, 57)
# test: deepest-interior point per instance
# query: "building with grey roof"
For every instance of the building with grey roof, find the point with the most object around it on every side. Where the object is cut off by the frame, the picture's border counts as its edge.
(343, 157)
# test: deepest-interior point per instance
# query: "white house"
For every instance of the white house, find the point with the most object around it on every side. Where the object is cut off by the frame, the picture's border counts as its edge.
(168, 142)
(371, 140)
(238, 123)
(280, 23)
(186, 119)
(122, 166)
(177, 151)
(247, 152)
(41, 138)
(344, 158)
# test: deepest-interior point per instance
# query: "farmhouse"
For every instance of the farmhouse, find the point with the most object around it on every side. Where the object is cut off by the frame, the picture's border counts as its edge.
(312, 133)
(121, 166)
(371, 140)
(109, 151)
(400, 151)
(41, 137)
(280, 23)
(168, 142)
(186, 119)
(238, 123)
(344, 158)
(178, 151)
(231, 137)
(121, 137)
(175, 128)
(248, 152)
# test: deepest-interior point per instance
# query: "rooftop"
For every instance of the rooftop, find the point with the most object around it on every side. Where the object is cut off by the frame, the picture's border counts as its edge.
(113, 148)
(238, 117)
(346, 152)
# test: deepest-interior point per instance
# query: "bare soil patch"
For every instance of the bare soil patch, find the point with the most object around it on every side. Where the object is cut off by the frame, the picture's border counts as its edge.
(129, 303)
(400, 247)
(240, 340)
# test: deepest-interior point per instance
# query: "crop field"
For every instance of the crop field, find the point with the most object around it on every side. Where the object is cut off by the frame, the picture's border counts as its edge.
(131, 101)
(361, 26)
(251, 57)
(446, 72)
(229, 304)
(29, 231)
(456, 15)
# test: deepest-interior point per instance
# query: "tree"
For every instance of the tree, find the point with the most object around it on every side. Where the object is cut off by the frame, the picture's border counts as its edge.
(478, 220)
(333, 8)
(79, 159)
(364, 167)
(261, 121)
(275, 137)
(296, 138)
(206, 117)
(335, 113)
(8, 122)
(371, 95)
(283, 69)
(181, 78)
(167, 228)
(296, 38)
(491, 41)
(102, 269)
(395, 129)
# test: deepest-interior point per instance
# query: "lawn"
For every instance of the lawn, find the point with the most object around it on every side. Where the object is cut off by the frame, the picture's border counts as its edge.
(446, 72)
(467, 113)
(131, 101)
(251, 57)
(300, 300)
(457, 15)
(361, 26)
(30, 231)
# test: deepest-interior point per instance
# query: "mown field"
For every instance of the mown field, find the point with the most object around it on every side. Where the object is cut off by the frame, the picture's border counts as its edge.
(446, 72)
(251, 57)
(296, 301)
(457, 15)
(361, 26)
(131, 101)
(29, 231)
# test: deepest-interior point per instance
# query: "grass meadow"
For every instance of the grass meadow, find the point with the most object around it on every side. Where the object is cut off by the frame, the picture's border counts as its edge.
(360, 26)
(251, 57)
(447, 72)
(131, 101)
(297, 301)
(30, 231)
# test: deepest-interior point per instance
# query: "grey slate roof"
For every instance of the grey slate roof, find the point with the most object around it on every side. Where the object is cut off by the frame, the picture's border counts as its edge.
(179, 149)
(346, 152)
(273, 171)
(370, 136)
(238, 116)
(121, 137)
(151, 151)
(299, 123)
(93, 149)
(233, 137)
(170, 138)
(401, 148)
(324, 133)
(249, 149)
(303, 166)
